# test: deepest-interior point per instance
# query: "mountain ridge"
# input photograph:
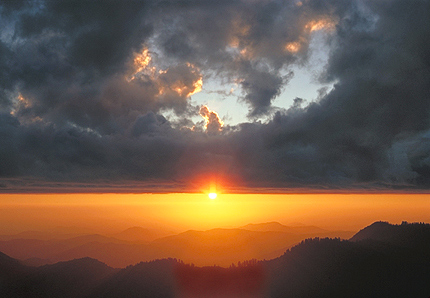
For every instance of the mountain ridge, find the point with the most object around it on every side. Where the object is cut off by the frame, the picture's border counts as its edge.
(221, 246)
(317, 267)
(276, 226)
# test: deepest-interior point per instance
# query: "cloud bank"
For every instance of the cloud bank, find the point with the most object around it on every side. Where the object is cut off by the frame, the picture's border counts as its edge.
(85, 89)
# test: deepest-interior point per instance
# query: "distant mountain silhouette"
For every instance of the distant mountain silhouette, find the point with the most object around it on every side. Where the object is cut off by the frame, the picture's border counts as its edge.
(136, 234)
(276, 226)
(58, 233)
(117, 255)
(141, 235)
(217, 246)
(29, 235)
(53, 250)
(303, 230)
(224, 246)
(382, 260)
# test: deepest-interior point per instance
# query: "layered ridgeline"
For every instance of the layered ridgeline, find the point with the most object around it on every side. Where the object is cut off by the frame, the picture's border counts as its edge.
(203, 248)
(382, 260)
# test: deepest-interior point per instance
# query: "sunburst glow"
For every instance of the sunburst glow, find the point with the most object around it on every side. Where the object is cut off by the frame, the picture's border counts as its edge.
(212, 195)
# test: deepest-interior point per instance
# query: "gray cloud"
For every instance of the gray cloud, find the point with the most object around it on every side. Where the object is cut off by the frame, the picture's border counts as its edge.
(75, 106)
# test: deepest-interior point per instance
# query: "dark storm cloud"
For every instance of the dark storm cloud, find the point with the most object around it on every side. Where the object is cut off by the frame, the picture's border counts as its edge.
(92, 33)
(243, 40)
(82, 98)
(61, 55)
(261, 88)
(381, 67)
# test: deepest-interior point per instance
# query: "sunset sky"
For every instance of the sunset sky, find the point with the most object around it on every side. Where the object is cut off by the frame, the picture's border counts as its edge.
(175, 213)
(251, 99)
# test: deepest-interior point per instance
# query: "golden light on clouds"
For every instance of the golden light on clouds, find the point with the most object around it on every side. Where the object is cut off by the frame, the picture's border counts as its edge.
(197, 87)
(237, 41)
(141, 61)
(246, 53)
(21, 102)
(182, 87)
(326, 24)
(239, 29)
(181, 80)
(214, 123)
(293, 47)
(181, 91)
(321, 24)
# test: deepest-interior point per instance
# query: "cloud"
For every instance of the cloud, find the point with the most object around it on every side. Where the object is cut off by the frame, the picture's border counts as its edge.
(245, 41)
(86, 89)
(213, 123)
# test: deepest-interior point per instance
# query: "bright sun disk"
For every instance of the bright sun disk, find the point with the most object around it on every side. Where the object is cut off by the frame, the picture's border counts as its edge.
(212, 195)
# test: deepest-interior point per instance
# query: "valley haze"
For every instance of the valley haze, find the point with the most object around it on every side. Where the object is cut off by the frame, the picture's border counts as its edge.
(221, 247)
(382, 259)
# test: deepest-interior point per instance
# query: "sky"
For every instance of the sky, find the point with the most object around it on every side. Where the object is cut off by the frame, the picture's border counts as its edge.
(251, 96)
(166, 214)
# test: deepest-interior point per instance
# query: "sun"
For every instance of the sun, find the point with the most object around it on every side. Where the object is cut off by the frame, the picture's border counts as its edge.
(212, 195)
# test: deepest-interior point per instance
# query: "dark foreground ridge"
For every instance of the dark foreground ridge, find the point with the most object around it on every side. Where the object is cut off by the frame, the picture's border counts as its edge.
(382, 260)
